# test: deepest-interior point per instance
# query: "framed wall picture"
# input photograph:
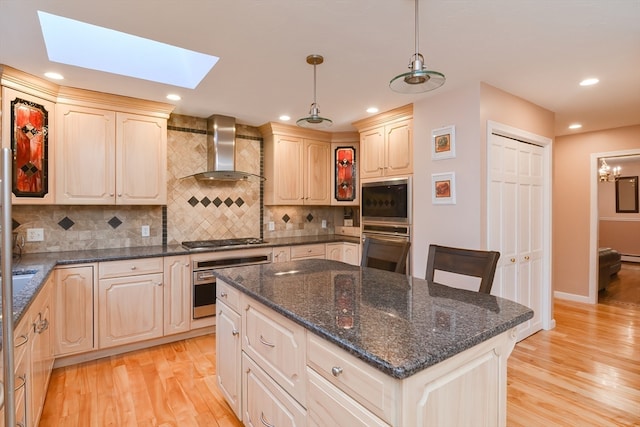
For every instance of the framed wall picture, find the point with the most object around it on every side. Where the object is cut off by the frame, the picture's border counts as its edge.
(443, 188)
(443, 143)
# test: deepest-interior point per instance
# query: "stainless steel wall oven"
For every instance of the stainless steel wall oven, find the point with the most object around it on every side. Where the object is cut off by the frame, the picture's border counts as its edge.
(204, 281)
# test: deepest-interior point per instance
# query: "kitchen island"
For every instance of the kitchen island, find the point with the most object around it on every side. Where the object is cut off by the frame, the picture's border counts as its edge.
(319, 342)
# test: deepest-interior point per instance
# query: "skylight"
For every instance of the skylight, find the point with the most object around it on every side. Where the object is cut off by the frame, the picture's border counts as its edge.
(85, 45)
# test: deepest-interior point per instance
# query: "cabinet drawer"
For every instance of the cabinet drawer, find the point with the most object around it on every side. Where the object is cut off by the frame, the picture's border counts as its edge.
(277, 345)
(329, 406)
(129, 267)
(308, 251)
(228, 294)
(265, 402)
(371, 388)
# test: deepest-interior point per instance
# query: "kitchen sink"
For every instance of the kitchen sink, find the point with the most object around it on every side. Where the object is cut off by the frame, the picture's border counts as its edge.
(20, 280)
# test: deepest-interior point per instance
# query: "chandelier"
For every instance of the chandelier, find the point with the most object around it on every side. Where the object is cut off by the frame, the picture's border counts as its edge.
(606, 173)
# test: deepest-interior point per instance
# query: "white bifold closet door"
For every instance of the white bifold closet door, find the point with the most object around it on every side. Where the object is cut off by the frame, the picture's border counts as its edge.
(515, 214)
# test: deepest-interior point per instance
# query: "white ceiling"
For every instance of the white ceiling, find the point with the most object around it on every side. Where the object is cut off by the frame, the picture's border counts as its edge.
(535, 49)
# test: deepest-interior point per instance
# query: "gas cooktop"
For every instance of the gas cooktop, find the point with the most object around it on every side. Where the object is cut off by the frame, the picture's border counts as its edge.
(205, 244)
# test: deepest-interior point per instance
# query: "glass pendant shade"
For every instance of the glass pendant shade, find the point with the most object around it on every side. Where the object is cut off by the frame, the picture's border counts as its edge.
(419, 79)
(314, 120)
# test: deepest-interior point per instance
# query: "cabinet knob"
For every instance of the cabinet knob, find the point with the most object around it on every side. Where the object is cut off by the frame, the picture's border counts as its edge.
(235, 332)
(159, 284)
(336, 371)
(526, 257)
(512, 260)
(223, 294)
(119, 194)
(111, 194)
(133, 267)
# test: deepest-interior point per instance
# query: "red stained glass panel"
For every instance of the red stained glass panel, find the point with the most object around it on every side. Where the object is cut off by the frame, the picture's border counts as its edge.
(345, 174)
(29, 140)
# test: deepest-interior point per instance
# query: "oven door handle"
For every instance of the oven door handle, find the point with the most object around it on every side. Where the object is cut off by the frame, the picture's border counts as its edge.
(384, 236)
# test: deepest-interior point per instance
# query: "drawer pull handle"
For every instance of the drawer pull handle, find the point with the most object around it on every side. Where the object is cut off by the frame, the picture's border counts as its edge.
(263, 421)
(25, 338)
(235, 332)
(41, 326)
(223, 294)
(336, 371)
(267, 343)
(24, 382)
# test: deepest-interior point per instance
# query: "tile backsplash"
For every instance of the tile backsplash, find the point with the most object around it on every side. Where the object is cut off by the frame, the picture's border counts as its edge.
(195, 210)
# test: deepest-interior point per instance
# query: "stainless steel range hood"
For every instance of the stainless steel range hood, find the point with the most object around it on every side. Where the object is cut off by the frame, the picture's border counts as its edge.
(221, 150)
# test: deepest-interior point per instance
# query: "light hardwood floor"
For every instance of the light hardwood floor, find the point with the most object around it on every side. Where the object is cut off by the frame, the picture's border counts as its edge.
(585, 372)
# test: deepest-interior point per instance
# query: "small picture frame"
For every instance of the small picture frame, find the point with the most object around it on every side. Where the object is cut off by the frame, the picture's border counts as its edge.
(443, 143)
(443, 188)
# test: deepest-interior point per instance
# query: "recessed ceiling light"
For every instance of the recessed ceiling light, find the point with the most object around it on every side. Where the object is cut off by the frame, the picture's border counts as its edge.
(589, 82)
(285, 118)
(174, 97)
(575, 126)
(97, 48)
(372, 110)
(54, 76)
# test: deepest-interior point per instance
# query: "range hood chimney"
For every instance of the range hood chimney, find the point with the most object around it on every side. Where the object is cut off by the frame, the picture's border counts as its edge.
(221, 150)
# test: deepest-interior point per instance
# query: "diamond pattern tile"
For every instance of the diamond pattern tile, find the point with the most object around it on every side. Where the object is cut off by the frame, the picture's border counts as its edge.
(114, 222)
(286, 218)
(309, 217)
(228, 202)
(217, 202)
(239, 201)
(205, 202)
(193, 201)
(67, 223)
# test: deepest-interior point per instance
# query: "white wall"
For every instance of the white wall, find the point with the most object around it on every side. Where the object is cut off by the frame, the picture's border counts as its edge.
(451, 225)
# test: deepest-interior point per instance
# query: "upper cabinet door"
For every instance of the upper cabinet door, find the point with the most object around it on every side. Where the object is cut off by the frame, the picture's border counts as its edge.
(141, 160)
(85, 155)
(399, 148)
(317, 173)
(372, 153)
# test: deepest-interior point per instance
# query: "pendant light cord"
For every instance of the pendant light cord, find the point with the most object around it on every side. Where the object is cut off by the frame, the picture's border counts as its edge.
(314, 85)
(417, 29)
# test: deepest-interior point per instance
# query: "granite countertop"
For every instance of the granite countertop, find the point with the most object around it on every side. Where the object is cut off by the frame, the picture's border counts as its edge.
(42, 264)
(397, 324)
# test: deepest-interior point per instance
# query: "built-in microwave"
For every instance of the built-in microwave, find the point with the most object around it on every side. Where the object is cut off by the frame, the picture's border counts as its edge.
(387, 200)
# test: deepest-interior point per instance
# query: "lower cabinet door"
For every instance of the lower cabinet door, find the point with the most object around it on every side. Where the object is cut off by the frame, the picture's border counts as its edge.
(228, 356)
(265, 403)
(328, 406)
(130, 309)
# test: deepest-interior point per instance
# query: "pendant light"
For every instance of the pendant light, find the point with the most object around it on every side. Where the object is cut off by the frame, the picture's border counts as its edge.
(419, 79)
(314, 120)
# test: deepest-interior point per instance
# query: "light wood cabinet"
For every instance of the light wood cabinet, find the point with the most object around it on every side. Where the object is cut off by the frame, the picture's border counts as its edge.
(281, 254)
(386, 144)
(265, 403)
(177, 294)
(277, 345)
(41, 352)
(317, 250)
(107, 157)
(130, 306)
(329, 406)
(344, 251)
(74, 300)
(229, 346)
(297, 165)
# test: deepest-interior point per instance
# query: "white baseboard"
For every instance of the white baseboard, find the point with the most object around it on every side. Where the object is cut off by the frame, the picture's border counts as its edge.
(630, 258)
(571, 297)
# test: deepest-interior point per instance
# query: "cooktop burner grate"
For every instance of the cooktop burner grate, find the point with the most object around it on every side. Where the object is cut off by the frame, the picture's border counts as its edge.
(197, 244)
